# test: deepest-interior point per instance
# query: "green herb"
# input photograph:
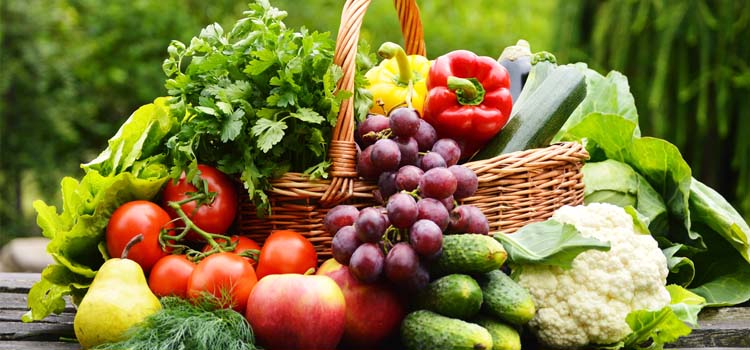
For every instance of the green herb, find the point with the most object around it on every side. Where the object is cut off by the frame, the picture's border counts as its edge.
(257, 101)
(183, 324)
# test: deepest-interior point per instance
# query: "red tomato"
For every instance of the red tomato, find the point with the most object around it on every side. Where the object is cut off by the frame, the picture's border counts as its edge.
(128, 221)
(170, 275)
(215, 217)
(222, 273)
(243, 244)
(286, 251)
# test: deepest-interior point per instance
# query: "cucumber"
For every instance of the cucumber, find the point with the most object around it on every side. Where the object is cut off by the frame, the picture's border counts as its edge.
(537, 117)
(423, 329)
(505, 298)
(456, 295)
(469, 253)
(504, 336)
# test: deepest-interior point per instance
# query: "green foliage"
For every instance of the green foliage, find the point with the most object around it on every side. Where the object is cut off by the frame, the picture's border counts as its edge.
(687, 63)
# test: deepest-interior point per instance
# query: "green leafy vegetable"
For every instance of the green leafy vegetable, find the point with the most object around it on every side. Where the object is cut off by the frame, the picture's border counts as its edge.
(661, 327)
(549, 243)
(615, 182)
(76, 232)
(691, 222)
(681, 269)
(666, 325)
(260, 99)
(709, 207)
(685, 304)
(182, 324)
(141, 136)
(606, 95)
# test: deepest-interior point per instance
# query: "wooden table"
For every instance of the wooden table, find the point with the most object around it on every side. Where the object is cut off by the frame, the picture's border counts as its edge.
(722, 328)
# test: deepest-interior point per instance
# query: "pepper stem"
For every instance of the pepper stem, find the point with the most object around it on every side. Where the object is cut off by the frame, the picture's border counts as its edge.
(392, 50)
(469, 91)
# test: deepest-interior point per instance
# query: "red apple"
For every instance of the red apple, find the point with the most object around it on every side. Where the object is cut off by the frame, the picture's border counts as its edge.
(373, 311)
(293, 311)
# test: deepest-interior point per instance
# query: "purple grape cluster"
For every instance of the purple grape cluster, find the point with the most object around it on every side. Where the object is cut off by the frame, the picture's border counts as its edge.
(419, 182)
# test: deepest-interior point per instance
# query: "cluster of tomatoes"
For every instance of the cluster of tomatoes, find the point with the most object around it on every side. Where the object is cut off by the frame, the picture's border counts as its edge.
(186, 249)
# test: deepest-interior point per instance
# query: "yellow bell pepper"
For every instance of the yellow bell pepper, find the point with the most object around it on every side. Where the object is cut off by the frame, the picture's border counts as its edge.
(397, 78)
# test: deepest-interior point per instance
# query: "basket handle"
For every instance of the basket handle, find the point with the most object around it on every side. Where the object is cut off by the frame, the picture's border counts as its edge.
(343, 151)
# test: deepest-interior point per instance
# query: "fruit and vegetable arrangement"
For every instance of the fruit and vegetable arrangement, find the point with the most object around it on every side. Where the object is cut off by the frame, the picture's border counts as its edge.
(150, 246)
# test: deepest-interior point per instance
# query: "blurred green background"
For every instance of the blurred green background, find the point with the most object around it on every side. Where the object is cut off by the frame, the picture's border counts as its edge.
(73, 70)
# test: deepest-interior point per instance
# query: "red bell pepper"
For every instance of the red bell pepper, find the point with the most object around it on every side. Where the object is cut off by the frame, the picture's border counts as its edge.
(468, 99)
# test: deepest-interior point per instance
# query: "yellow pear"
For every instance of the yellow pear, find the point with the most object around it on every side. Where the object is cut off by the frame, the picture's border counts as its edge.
(119, 297)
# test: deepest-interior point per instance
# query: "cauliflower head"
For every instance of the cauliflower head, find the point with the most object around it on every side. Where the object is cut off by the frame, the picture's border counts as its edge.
(588, 303)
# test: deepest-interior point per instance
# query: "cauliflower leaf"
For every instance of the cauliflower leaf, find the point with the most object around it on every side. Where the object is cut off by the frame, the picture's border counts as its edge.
(548, 243)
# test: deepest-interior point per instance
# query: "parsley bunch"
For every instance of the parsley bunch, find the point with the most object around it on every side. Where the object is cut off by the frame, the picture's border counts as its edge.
(256, 102)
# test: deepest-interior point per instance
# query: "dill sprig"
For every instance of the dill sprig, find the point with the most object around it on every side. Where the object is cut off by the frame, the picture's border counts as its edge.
(195, 325)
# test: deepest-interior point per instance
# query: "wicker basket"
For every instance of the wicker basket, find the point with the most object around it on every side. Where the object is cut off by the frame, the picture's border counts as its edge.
(514, 189)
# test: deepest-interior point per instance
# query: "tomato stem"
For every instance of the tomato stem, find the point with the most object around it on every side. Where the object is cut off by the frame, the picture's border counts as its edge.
(166, 239)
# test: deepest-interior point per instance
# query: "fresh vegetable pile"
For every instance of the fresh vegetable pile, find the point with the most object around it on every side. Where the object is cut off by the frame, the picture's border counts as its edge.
(151, 226)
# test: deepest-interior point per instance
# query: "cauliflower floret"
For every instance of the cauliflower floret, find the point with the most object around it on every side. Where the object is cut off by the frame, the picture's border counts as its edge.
(588, 303)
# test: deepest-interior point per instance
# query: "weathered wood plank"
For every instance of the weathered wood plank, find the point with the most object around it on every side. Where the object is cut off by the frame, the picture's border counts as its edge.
(17, 282)
(36, 331)
(15, 315)
(38, 345)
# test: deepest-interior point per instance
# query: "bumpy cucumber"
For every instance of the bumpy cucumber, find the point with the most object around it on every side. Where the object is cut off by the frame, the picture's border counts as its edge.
(469, 253)
(506, 299)
(425, 329)
(504, 336)
(455, 295)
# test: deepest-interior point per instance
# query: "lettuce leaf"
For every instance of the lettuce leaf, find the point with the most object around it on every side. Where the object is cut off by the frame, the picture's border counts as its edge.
(131, 167)
(139, 137)
(76, 233)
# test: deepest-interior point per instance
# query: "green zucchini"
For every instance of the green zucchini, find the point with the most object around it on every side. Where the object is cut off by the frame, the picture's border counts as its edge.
(540, 113)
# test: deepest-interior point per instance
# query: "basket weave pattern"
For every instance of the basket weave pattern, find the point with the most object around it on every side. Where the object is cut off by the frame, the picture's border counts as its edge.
(514, 189)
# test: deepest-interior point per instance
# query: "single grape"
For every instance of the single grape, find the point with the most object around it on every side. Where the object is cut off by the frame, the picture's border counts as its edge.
(404, 121)
(409, 150)
(426, 238)
(366, 263)
(344, 243)
(407, 177)
(466, 181)
(432, 160)
(419, 282)
(449, 202)
(340, 216)
(401, 263)
(370, 225)
(365, 168)
(433, 210)
(448, 148)
(437, 183)
(387, 184)
(385, 155)
(402, 210)
(468, 219)
(425, 136)
(369, 128)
